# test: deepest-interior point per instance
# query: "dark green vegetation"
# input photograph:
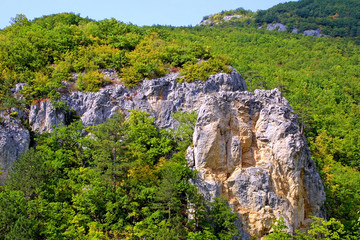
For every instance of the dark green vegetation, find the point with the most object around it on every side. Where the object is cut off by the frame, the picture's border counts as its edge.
(72, 180)
(333, 17)
(318, 229)
(336, 18)
(122, 181)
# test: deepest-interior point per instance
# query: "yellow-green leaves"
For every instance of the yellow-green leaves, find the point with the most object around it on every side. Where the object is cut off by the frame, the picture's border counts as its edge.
(91, 81)
(203, 69)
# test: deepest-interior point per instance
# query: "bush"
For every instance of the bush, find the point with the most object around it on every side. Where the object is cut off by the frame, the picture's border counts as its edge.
(203, 69)
(91, 81)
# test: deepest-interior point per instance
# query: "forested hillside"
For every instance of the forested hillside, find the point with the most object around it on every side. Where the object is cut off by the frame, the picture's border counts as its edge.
(48, 193)
(333, 17)
(336, 18)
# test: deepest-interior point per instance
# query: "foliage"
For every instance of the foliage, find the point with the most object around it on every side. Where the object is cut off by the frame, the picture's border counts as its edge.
(202, 69)
(91, 81)
(241, 14)
(279, 231)
(336, 18)
(48, 50)
(117, 182)
(153, 57)
(343, 193)
(318, 229)
(183, 133)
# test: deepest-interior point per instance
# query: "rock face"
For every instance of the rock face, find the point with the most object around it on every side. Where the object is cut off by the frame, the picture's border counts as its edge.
(159, 97)
(276, 26)
(43, 117)
(282, 28)
(247, 147)
(270, 27)
(14, 140)
(314, 33)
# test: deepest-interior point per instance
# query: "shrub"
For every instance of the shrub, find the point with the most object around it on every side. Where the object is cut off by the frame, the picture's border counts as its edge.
(203, 69)
(91, 81)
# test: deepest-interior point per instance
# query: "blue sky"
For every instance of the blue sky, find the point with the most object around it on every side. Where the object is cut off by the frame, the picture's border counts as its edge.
(139, 12)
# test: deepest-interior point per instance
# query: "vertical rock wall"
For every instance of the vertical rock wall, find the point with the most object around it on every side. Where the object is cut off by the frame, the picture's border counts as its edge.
(248, 148)
(14, 140)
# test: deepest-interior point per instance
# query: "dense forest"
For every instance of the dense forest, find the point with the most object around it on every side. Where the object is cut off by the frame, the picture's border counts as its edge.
(72, 187)
(333, 17)
(336, 18)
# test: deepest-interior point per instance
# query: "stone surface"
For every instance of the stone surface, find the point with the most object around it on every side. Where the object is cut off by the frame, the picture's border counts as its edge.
(44, 116)
(210, 21)
(276, 26)
(14, 140)
(248, 148)
(228, 18)
(159, 97)
(314, 33)
(15, 91)
(282, 28)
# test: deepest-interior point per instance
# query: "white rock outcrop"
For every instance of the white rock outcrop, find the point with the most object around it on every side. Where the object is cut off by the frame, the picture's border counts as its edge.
(14, 140)
(247, 147)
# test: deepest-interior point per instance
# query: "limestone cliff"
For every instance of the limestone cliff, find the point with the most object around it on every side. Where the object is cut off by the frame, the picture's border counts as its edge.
(249, 149)
(247, 146)
(14, 140)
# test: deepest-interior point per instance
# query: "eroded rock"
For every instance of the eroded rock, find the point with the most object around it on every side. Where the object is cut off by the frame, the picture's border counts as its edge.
(276, 26)
(159, 97)
(249, 149)
(14, 140)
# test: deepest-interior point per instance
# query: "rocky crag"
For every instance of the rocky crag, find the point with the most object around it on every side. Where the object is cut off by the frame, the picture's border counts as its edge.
(270, 27)
(247, 147)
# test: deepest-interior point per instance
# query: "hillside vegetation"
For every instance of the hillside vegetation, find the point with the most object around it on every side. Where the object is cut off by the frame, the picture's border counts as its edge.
(333, 17)
(119, 182)
(336, 18)
(48, 193)
(48, 50)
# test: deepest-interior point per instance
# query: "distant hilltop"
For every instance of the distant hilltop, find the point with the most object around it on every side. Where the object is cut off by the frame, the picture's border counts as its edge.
(335, 18)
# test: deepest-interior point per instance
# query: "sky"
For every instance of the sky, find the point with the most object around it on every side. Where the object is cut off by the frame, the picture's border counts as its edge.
(139, 12)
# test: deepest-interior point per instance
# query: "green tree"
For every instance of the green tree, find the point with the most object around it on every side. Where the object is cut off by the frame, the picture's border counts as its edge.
(279, 231)
(106, 146)
(184, 131)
